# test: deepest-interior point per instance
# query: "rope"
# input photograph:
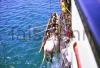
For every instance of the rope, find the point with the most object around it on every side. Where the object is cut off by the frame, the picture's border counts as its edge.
(68, 11)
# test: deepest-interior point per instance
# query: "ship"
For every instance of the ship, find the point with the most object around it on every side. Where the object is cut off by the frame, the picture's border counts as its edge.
(64, 35)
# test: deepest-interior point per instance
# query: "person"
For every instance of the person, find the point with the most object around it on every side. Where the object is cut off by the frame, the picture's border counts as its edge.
(69, 4)
(63, 7)
(66, 57)
(53, 20)
(69, 32)
(69, 19)
(54, 17)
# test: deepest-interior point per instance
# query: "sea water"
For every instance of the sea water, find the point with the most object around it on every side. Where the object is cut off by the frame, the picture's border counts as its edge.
(20, 40)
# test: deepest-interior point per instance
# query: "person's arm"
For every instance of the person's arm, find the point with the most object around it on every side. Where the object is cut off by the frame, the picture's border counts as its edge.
(68, 1)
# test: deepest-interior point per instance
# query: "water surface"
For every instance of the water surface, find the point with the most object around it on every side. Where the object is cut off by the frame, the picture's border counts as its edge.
(19, 45)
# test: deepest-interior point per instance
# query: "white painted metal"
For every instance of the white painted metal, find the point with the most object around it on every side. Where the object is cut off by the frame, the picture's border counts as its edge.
(85, 52)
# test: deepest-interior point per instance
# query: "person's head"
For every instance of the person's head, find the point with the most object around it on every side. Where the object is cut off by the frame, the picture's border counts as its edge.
(56, 31)
(51, 26)
(62, 0)
(69, 16)
(54, 13)
(47, 32)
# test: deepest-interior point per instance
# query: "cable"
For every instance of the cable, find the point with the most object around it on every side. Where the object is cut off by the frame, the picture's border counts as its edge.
(39, 26)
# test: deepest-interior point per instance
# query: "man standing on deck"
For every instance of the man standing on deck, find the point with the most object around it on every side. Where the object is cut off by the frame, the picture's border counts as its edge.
(63, 8)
